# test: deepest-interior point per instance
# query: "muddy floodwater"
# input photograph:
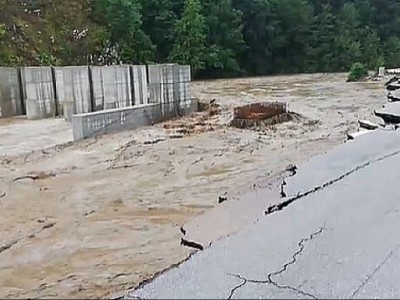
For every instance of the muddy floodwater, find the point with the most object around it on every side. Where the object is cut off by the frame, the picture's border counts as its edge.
(97, 217)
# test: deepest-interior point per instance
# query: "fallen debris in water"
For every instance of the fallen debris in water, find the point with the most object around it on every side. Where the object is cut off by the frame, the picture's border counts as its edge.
(292, 169)
(222, 199)
(152, 142)
(38, 176)
(176, 136)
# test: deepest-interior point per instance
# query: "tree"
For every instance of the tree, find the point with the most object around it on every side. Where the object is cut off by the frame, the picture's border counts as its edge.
(158, 23)
(126, 42)
(358, 71)
(291, 35)
(258, 30)
(347, 45)
(371, 49)
(217, 37)
(392, 52)
(190, 37)
(323, 27)
(225, 42)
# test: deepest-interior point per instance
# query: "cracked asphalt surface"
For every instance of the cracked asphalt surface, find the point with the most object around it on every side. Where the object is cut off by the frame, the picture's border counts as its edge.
(338, 240)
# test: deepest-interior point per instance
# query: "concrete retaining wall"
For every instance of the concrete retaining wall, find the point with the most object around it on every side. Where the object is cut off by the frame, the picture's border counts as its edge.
(111, 87)
(38, 92)
(10, 96)
(44, 92)
(128, 118)
(73, 90)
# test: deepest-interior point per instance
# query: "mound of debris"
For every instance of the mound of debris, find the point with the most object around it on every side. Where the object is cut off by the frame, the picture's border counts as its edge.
(262, 115)
(199, 122)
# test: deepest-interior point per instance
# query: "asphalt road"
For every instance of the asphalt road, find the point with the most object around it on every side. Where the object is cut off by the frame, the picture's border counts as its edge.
(337, 238)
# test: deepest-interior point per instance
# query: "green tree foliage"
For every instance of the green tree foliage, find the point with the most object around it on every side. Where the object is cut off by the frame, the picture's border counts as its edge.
(290, 34)
(224, 38)
(123, 21)
(358, 71)
(190, 37)
(158, 23)
(323, 28)
(217, 37)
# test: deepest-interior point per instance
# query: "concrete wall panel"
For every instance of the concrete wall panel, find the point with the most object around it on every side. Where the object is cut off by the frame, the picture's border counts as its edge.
(156, 91)
(168, 87)
(185, 78)
(97, 87)
(139, 89)
(10, 98)
(38, 92)
(73, 90)
(111, 87)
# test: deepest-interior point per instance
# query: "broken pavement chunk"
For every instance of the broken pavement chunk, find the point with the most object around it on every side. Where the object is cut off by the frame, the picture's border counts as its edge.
(390, 113)
(394, 85)
(354, 135)
(368, 125)
(394, 96)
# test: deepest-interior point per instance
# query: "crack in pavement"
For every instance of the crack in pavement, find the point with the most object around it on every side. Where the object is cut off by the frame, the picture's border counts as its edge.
(285, 267)
(278, 207)
(244, 282)
(368, 278)
(297, 253)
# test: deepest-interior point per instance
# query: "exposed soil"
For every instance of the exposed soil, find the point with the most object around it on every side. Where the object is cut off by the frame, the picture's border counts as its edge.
(87, 219)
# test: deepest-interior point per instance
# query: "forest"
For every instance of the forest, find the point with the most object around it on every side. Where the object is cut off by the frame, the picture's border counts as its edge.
(218, 38)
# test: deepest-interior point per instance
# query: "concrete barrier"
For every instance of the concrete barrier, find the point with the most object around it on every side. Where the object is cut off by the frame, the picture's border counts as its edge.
(73, 90)
(38, 92)
(10, 96)
(128, 118)
(111, 87)
(139, 85)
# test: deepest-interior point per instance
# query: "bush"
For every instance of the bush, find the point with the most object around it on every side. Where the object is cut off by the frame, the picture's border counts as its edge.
(358, 71)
